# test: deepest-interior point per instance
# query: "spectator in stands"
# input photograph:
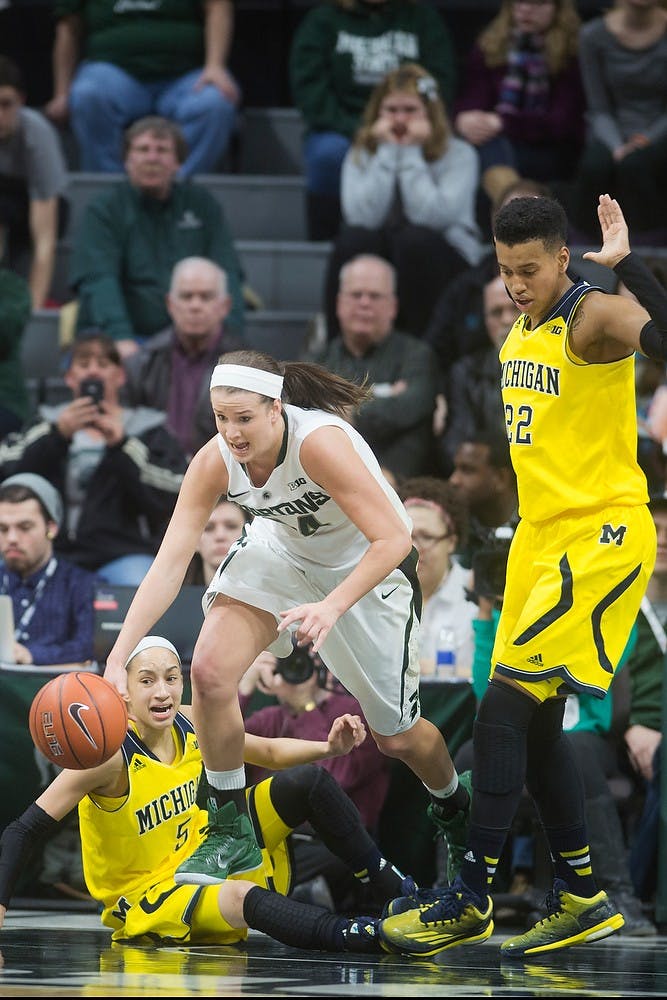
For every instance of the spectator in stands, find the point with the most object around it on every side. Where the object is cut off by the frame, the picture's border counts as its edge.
(308, 700)
(484, 475)
(138, 59)
(172, 371)
(439, 525)
(52, 598)
(340, 51)
(223, 527)
(457, 325)
(397, 421)
(522, 102)
(133, 232)
(623, 56)
(408, 194)
(33, 178)
(643, 735)
(14, 315)
(474, 401)
(118, 470)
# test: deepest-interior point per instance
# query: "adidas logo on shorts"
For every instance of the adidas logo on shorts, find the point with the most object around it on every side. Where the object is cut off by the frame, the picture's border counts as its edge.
(537, 660)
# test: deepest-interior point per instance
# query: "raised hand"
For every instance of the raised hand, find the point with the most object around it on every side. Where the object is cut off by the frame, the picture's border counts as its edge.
(346, 733)
(615, 236)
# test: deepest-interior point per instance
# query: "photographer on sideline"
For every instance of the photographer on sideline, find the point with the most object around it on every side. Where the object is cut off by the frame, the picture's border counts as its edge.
(309, 698)
(118, 469)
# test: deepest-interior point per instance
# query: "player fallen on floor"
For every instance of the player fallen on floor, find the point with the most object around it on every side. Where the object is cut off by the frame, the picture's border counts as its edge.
(139, 817)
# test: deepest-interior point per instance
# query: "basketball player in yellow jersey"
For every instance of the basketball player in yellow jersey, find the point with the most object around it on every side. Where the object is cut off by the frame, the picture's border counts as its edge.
(139, 818)
(578, 567)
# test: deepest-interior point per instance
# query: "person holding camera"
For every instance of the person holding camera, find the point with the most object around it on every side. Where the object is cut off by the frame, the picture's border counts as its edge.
(118, 469)
(309, 699)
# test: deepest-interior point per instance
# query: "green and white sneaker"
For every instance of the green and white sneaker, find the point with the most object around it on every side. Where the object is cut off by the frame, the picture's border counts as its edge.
(454, 830)
(571, 920)
(456, 917)
(229, 848)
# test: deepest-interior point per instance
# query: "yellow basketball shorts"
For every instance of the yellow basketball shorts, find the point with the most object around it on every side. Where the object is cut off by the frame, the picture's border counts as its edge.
(573, 589)
(189, 914)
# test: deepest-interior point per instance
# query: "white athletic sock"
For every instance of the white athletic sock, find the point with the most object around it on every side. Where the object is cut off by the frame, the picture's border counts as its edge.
(444, 793)
(226, 780)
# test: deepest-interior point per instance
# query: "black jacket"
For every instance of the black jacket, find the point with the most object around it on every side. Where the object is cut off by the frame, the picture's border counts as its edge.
(131, 492)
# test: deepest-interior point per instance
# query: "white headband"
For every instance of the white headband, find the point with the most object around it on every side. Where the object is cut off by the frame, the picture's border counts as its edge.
(252, 379)
(150, 641)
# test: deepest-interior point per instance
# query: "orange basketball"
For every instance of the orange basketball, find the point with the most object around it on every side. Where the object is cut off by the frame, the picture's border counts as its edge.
(78, 720)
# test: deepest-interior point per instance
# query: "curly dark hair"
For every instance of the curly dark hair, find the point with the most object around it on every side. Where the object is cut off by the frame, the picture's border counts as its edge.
(442, 492)
(524, 219)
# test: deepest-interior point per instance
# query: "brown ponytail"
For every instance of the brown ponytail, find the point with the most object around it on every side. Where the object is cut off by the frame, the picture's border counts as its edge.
(305, 383)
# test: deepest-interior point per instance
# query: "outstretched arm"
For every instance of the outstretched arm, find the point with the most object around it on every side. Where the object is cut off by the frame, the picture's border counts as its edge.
(615, 235)
(642, 329)
(330, 459)
(346, 733)
(21, 837)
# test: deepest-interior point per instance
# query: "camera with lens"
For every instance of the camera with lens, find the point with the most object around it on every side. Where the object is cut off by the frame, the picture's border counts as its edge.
(489, 567)
(297, 667)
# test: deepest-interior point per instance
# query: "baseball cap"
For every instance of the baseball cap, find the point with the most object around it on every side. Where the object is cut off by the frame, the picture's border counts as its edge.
(42, 489)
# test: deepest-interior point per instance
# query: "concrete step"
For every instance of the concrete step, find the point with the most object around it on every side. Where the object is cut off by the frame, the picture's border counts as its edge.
(270, 142)
(281, 333)
(256, 208)
(287, 275)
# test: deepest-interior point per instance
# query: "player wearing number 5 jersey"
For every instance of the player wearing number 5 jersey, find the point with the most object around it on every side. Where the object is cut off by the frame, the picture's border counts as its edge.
(328, 556)
(578, 567)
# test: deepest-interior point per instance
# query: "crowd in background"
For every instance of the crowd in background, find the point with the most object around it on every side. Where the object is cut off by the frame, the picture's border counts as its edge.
(410, 147)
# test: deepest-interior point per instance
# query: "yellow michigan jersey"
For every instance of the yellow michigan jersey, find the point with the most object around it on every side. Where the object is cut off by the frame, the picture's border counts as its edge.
(131, 846)
(585, 546)
(572, 426)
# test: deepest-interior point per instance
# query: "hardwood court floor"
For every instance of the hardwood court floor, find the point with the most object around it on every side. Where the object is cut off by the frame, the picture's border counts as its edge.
(56, 953)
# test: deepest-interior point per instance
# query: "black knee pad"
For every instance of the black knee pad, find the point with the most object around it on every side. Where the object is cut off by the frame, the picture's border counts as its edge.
(499, 739)
(546, 725)
(499, 758)
(309, 792)
(291, 791)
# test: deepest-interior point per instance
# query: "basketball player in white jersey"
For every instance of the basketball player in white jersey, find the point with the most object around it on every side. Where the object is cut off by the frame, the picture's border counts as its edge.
(328, 556)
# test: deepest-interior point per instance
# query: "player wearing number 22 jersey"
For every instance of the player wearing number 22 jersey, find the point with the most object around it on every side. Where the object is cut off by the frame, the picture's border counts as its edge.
(572, 430)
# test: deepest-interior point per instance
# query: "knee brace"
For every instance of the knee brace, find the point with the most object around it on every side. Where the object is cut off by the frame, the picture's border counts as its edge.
(309, 792)
(499, 739)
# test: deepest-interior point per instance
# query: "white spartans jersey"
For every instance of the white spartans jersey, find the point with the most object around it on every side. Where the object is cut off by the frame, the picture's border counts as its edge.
(299, 547)
(293, 511)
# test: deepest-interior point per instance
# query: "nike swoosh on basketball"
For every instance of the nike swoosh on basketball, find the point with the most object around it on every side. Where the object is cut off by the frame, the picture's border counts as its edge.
(389, 592)
(74, 712)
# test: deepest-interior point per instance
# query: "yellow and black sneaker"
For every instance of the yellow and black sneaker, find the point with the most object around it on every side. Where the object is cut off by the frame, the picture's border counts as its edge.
(570, 920)
(457, 916)
(412, 897)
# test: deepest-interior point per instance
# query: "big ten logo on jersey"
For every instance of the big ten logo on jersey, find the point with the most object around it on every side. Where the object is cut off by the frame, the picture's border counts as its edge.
(611, 534)
(297, 482)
